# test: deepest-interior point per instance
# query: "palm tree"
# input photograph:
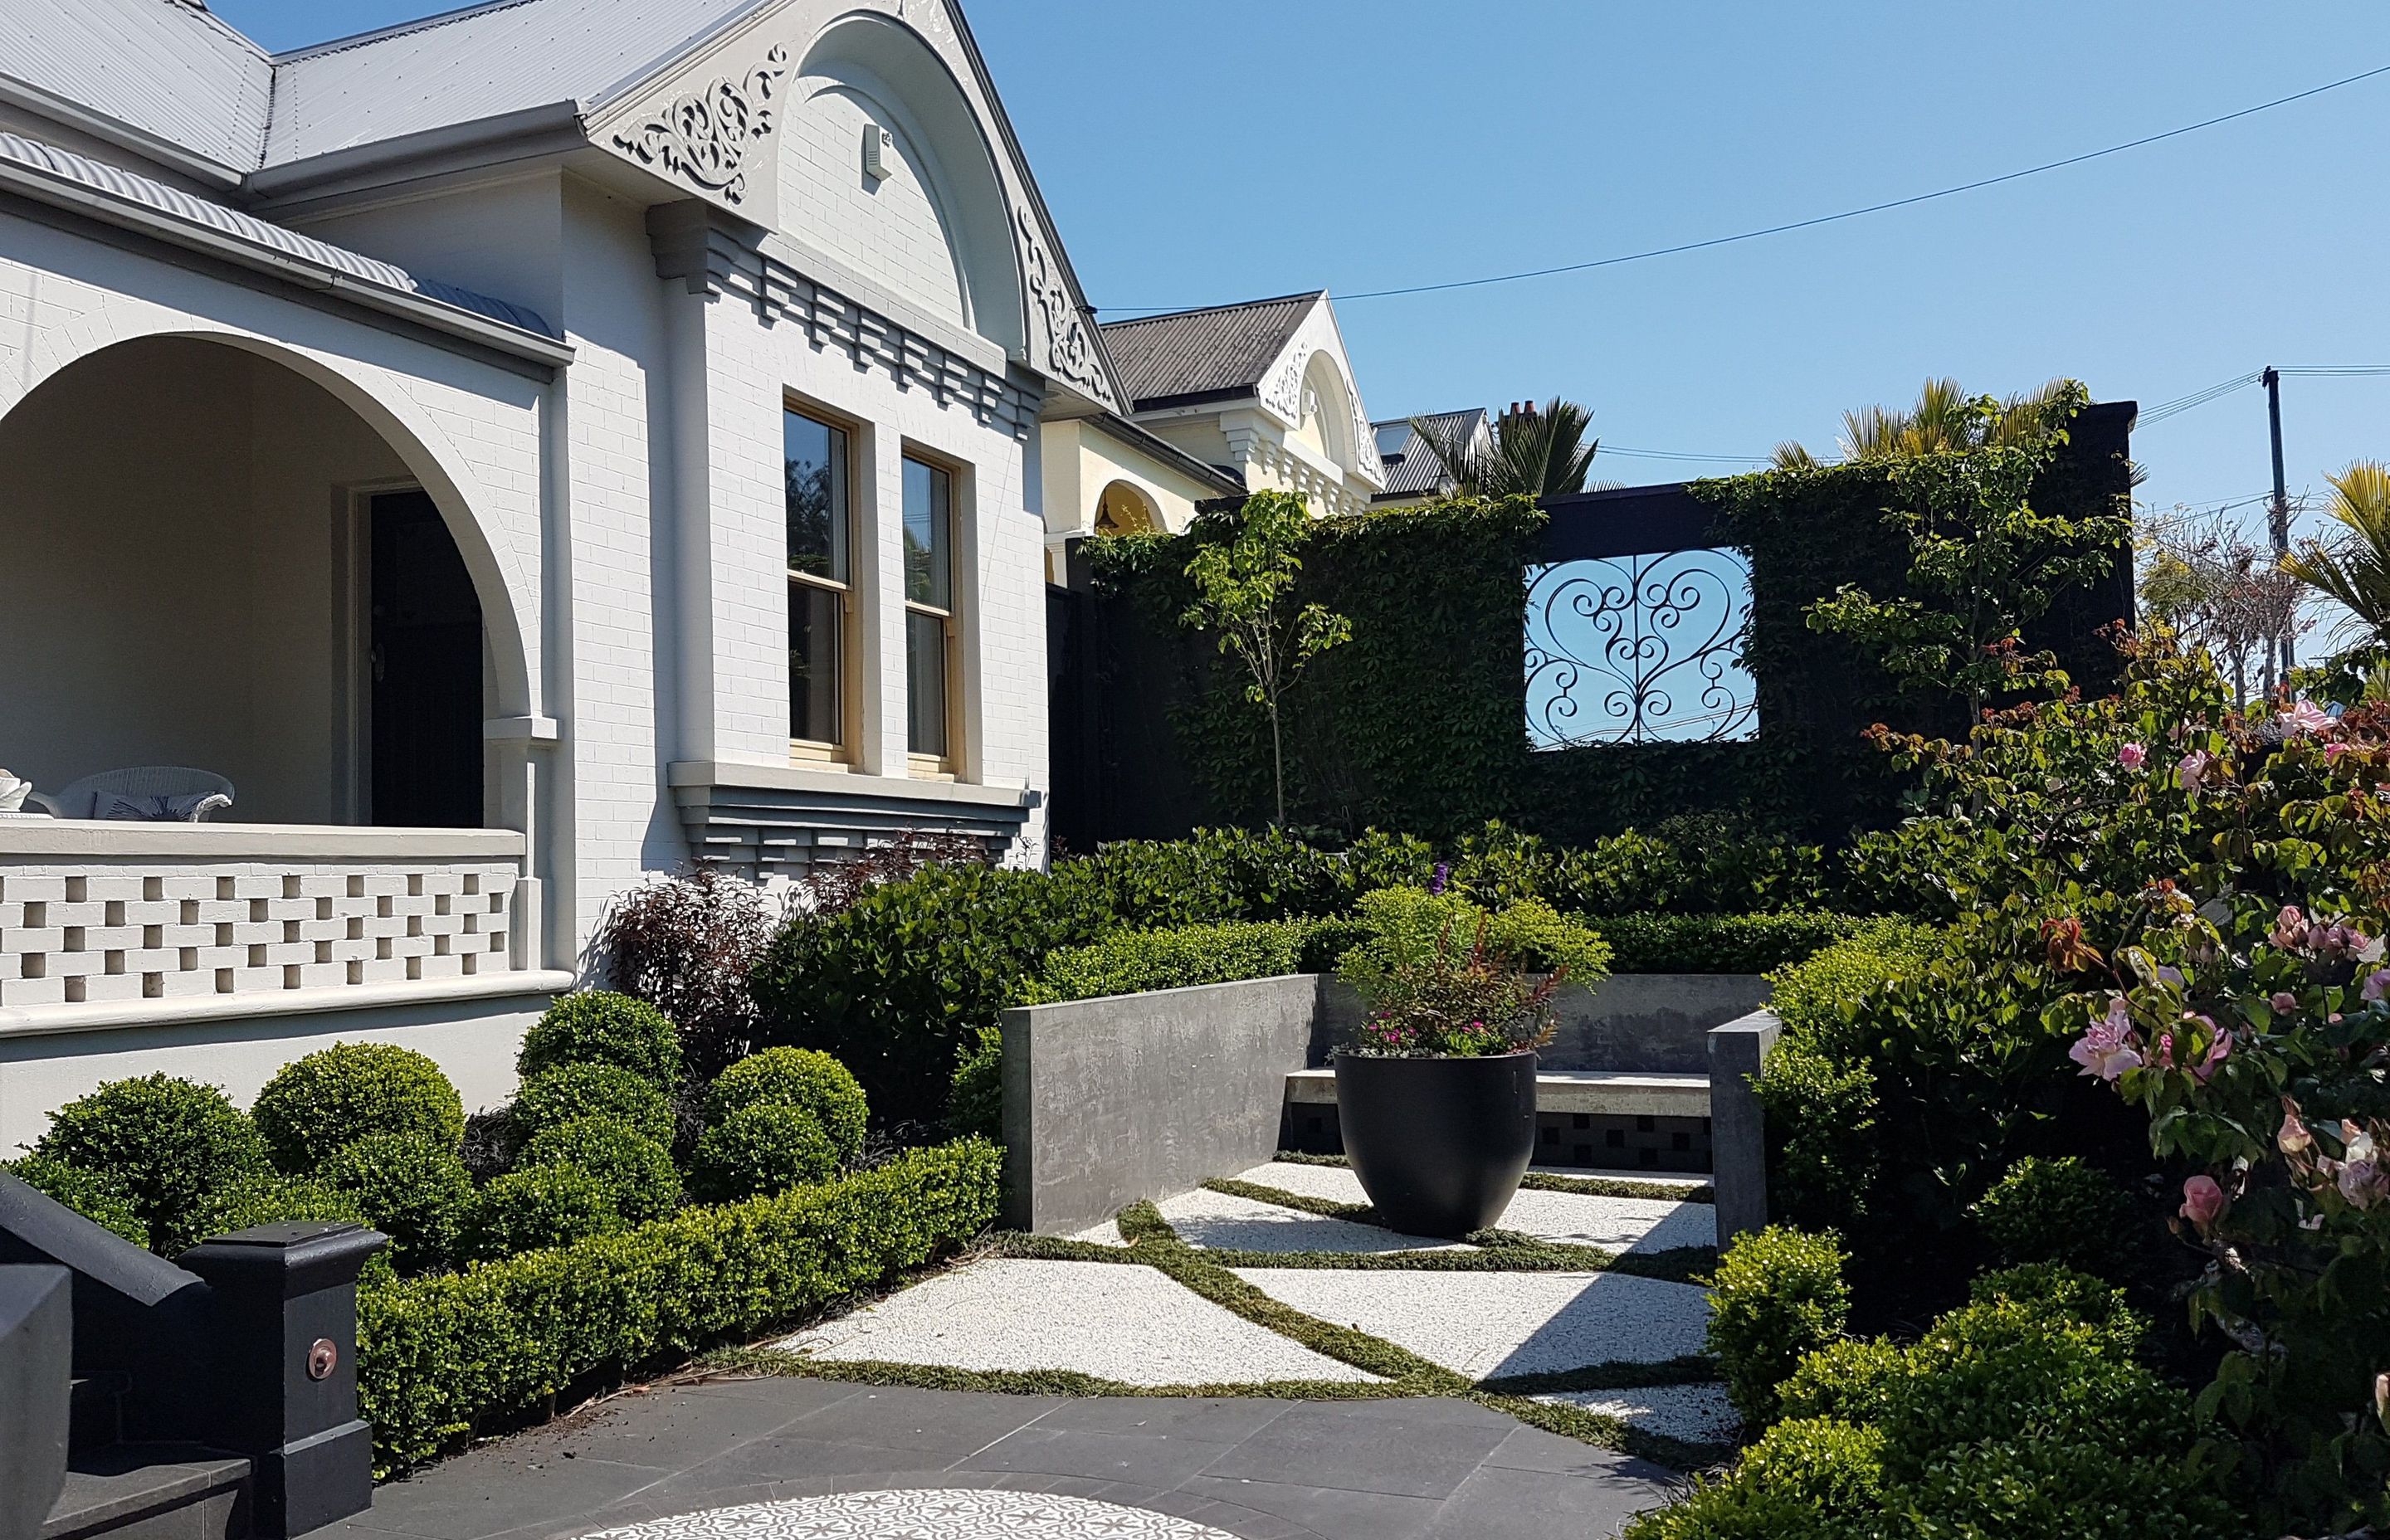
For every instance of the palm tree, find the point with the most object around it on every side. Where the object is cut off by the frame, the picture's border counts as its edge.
(1944, 417)
(2354, 569)
(1536, 451)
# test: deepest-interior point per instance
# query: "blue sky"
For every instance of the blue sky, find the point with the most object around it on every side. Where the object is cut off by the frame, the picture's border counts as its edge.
(1244, 148)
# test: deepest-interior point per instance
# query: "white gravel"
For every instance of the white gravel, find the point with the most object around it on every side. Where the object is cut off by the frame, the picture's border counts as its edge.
(1481, 1324)
(1619, 1224)
(1698, 1414)
(1219, 1221)
(1115, 1320)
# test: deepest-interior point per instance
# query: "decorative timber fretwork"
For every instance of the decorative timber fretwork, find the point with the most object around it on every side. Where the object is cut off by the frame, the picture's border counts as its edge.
(703, 135)
(713, 257)
(1071, 354)
(1283, 394)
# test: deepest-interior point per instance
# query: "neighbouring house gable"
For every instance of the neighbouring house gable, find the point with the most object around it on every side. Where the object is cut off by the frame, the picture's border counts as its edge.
(1412, 470)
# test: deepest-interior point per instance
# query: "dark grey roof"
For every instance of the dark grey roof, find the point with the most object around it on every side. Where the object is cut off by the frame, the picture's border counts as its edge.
(1219, 352)
(47, 170)
(1412, 469)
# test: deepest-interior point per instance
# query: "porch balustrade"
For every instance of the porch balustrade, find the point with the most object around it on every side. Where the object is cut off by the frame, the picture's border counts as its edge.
(114, 919)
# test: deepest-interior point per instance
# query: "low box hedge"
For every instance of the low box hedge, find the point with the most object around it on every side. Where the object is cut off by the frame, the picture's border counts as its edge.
(439, 1355)
(1720, 943)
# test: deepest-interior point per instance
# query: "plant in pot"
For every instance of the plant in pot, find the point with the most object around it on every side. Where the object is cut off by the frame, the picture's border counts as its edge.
(1436, 1091)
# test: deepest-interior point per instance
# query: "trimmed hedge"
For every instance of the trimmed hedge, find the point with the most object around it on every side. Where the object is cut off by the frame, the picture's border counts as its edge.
(438, 1357)
(536, 1208)
(315, 1107)
(95, 1195)
(1135, 961)
(796, 1077)
(572, 1091)
(411, 1189)
(2062, 1210)
(1720, 943)
(595, 1026)
(759, 1150)
(167, 1142)
(636, 1173)
(1777, 1294)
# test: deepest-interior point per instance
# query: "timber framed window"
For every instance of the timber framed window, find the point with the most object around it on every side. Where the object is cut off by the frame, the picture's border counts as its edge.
(821, 588)
(930, 639)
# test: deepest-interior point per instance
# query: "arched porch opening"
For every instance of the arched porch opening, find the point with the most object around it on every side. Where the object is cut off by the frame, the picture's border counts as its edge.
(211, 561)
(1125, 509)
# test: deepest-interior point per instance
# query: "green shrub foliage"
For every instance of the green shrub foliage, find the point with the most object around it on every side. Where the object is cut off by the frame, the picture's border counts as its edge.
(595, 1026)
(796, 1077)
(269, 1198)
(412, 1188)
(534, 1208)
(2026, 1412)
(2060, 1211)
(571, 1091)
(761, 1150)
(636, 1173)
(1720, 943)
(95, 1195)
(315, 1106)
(1132, 962)
(439, 1355)
(1777, 1294)
(168, 1143)
(975, 1100)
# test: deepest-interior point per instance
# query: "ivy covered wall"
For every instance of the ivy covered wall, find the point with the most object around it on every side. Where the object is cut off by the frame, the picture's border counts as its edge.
(1419, 722)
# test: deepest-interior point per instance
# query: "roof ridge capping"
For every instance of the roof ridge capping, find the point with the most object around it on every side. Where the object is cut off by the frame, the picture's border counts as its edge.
(397, 28)
(1205, 310)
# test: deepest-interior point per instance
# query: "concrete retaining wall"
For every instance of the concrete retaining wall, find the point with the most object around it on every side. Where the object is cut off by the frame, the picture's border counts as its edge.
(1142, 1096)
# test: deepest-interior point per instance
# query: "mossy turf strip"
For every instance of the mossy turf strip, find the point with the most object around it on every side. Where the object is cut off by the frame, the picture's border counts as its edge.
(1153, 1243)
(1543, 1181)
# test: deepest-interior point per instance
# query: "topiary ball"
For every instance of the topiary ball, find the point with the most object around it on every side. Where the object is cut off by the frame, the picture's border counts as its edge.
(2060, 1211)
(636, 1171)
(594, 1026)
(269, 1198)
(796, 1077)
(167, 1142)
(760, 1151)
(411, 1189)
(97, 1197)
(571, 1091)
(315, 1107)
(537, 1207)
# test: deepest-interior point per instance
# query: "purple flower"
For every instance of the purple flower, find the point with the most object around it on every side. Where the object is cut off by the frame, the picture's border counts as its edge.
(1436, 884)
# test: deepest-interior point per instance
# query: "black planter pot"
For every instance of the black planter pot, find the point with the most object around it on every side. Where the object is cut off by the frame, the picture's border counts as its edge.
(1439, 1144)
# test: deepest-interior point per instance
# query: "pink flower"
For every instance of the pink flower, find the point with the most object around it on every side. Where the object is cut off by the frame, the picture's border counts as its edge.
(2332, 752)
(2164, 1056)
(2377, 983)
(2290, 928)
(2283, 1002)
(2192, 768)
(2217, 1052)
(2307, 717)
(2108, 1048)
(2358, 1183)
(2294, 1139)
(2203, 1202)
(2130, 756)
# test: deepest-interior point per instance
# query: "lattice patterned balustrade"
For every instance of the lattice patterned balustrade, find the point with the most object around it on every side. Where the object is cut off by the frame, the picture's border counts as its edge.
(93, 914)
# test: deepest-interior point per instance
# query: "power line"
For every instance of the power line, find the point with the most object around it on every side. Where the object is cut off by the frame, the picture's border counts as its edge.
(2152, 416)
(1826, 219)
(1626, 453)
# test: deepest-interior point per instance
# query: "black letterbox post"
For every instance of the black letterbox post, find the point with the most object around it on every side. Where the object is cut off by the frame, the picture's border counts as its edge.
(285, 1298)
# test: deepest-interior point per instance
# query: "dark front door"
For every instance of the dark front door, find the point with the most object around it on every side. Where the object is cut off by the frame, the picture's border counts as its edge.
(427, 670)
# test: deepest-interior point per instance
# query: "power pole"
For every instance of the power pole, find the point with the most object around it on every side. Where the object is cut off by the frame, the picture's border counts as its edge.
(2278, 518)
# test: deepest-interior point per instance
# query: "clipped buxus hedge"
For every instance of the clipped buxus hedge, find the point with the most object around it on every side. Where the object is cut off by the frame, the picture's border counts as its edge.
(439, 1355)
(1720, 943)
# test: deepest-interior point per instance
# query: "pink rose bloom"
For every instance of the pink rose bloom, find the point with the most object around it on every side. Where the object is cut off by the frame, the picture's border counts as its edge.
(2106, 1050)
(2290, 928)
(2358, 1183)
(2377, 983)
(2307, 717)
(2332, 752)
(2202, 1201)
(2283, 1002)
(2192, 768)
(2294, 1139)
(2217, 1052)
(2130, 756)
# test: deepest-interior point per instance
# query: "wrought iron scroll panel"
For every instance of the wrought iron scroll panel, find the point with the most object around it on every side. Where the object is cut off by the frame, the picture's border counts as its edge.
(1640, 649)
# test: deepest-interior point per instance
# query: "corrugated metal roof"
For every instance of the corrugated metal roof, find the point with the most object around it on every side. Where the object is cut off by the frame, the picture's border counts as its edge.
(1412, 469)
(474, 64)
(1203, 352)
(163, 66)
(67, 166)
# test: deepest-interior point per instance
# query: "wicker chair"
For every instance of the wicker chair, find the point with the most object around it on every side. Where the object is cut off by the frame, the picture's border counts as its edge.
(148, 783)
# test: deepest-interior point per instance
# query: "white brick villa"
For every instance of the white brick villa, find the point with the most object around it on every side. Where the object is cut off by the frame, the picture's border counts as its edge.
(517, 453)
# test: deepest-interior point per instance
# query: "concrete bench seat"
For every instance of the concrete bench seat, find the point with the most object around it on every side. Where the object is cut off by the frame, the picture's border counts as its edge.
(1617, 1094)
